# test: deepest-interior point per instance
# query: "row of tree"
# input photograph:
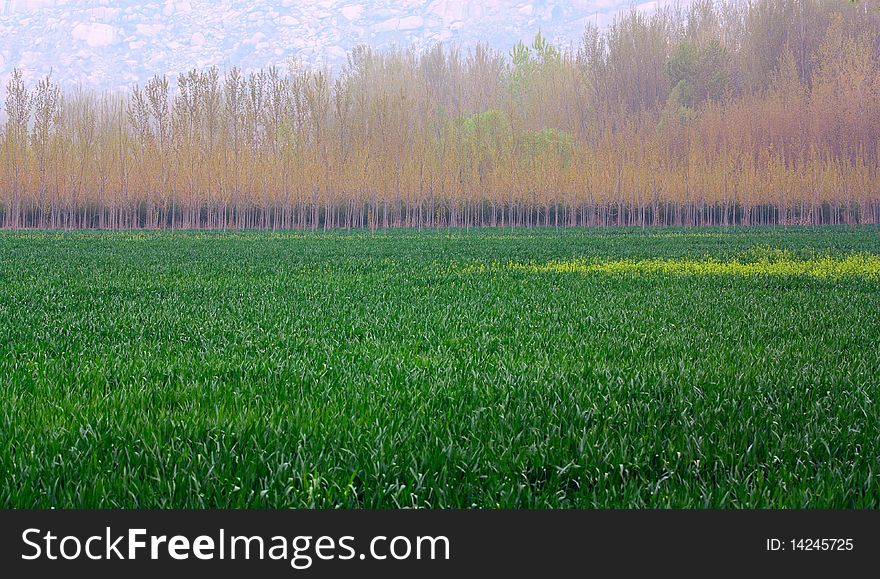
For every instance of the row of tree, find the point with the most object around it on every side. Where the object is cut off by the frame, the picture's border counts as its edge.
(766, 112)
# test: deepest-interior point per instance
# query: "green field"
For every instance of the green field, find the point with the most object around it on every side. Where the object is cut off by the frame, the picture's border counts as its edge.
(527, 368)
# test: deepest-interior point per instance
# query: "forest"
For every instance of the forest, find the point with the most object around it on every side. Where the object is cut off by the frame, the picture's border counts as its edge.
(722, 113)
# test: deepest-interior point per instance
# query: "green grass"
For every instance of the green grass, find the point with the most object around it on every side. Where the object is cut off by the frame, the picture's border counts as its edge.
(390, 370)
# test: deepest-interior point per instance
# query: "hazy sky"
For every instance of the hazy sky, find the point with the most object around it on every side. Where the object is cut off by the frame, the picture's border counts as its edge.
(112, 45)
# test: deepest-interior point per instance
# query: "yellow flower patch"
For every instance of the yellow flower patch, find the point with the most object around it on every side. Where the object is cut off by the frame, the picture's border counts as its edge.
(859, 264)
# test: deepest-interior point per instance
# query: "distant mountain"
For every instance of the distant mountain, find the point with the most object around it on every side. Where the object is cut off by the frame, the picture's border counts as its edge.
(114, 44)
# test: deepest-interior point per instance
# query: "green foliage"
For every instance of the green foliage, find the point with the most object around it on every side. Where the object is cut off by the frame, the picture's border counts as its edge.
(357, 370)
(527, 63)
(677, 111)
(545, 52)
(486, 134)
(548, 143)
(698, 72)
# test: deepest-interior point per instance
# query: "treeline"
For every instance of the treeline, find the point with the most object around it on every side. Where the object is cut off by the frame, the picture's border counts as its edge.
(721, 113)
